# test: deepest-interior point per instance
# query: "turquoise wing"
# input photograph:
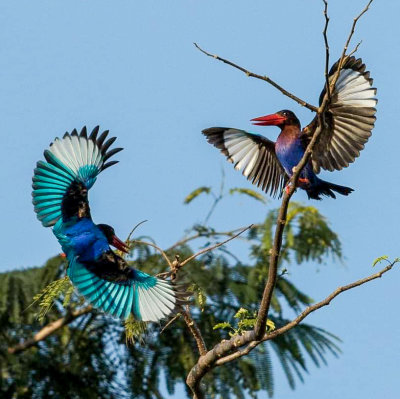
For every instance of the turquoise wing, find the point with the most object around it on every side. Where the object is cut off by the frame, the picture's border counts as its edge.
(148, 298)
(60, 184)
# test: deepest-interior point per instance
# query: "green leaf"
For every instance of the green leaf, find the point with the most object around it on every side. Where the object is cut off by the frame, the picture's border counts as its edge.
(202, 299)
(251, 193)
(195, 193)
(241, 314)
(50, 293)
(134, 329)
(270, 325)
(379, 260)
(223, 325)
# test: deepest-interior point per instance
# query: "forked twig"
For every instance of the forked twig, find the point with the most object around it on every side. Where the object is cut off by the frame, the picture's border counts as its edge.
(264, 78)
(208, 249)
(164, 255)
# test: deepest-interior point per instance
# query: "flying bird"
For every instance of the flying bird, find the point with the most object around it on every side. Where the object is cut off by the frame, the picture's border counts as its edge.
(349, 117)
(60, 197)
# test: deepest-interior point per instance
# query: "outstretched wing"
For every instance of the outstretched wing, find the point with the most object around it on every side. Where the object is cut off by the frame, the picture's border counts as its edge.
(60, 185)
(110, 285)
(350, 117)
(252, 153)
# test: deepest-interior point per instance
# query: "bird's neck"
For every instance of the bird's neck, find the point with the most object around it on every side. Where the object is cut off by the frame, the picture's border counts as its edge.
(289, 133)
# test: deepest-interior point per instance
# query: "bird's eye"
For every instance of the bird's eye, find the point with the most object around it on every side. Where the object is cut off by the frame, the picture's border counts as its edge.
(285, 114)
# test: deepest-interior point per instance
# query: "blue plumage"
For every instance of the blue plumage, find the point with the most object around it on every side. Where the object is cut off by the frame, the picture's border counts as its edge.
(60, 198)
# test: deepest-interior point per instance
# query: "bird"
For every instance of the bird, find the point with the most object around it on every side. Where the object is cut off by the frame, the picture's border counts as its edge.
(60, 198)
(349, 119)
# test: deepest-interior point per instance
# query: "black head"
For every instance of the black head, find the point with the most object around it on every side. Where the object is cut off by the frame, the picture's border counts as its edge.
(108, 231)
(281, 119)
(112, 239)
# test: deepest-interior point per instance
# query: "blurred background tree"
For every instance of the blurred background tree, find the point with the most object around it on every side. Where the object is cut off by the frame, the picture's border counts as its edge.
(89, 357)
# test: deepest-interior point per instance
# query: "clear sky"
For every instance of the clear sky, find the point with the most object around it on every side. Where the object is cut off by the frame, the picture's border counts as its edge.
(131, 67)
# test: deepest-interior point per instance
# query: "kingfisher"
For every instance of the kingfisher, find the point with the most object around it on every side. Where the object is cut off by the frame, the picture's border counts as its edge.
(60, 197)
(349, 119)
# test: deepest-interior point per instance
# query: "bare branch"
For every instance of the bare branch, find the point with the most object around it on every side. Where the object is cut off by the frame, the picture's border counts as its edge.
(252, 338)
(208, 249)
(50, 329)
(155, 247)
(195, 331)
(130, 234)
(352, 30)
(208, 234)
(325, 34)
(177, 316)
(280, 226)
(303, 315)
(264, 78)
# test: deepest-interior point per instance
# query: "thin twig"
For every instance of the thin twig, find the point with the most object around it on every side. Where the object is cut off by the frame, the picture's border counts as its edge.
(155, 247)
(130, 234)
(50, 329)
(177, 316)
(264, 78)
(325, 34)
(207, 235)
(208, 249)
(355, 48)
(352, 30)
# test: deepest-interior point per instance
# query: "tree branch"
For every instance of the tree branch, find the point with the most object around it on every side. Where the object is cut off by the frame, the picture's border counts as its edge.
(50, 329)
(220, 354)
(207, 234)
(264, 78)
(253, 338)
(164, 255)
(295, 322)
(208, 249)
(194, 329)
(325, 34)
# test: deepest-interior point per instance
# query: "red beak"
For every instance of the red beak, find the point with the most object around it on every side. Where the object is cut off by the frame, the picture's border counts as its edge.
(268, 120)
(119, 244)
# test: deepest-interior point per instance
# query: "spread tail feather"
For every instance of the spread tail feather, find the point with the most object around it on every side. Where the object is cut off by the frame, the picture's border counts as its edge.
(323, 187)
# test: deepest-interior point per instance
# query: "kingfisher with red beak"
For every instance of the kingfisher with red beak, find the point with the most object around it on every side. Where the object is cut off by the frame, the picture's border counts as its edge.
(349, 117)
(60, 197)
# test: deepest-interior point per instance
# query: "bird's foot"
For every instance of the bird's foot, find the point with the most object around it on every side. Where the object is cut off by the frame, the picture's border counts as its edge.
(304, 180)
(287, 188)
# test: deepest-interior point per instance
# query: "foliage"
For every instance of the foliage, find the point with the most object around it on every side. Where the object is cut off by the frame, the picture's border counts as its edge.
(195, 193)
(48, 295)
(246, 321)
(379, 260)
(249, 192)
(92, 355)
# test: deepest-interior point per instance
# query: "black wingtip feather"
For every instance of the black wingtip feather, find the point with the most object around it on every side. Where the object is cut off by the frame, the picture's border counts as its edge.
(108, 164)
(111, 153)
(83, 132)
(93, 135)
(102, 137)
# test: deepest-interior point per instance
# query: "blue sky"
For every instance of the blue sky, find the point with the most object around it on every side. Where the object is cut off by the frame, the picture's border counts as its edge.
(131, 67)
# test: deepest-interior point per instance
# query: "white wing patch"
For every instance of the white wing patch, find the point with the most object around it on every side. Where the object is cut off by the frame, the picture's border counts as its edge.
(157, 302)
(354, 89)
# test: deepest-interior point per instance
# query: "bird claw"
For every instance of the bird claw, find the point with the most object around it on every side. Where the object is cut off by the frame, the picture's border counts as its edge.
(304, 180)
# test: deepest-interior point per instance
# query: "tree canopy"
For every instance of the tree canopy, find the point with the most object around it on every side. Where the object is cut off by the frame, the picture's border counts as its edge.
(91, 357)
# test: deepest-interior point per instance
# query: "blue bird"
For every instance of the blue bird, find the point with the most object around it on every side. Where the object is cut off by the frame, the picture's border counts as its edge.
(349, 118)
(60, 197)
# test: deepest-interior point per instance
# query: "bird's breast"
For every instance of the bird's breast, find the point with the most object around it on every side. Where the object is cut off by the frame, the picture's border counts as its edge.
(84, 240)
(289, 151)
